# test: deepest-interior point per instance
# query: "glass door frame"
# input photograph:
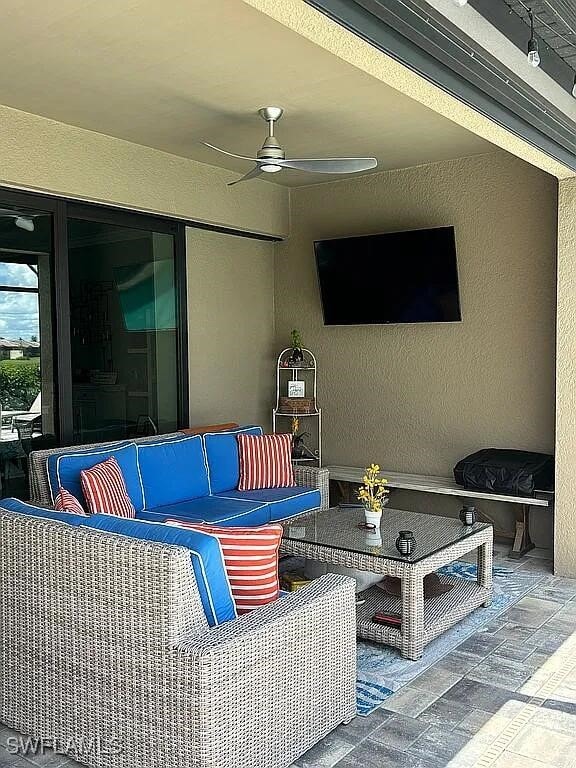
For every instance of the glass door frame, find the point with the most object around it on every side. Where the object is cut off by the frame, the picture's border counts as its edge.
(61, 210)
(59, 297)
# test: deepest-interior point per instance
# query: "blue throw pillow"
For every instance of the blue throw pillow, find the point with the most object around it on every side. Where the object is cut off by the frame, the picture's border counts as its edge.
(206, 557)
(26, 508)
(222, 456)
(64, 470)
(172, 470)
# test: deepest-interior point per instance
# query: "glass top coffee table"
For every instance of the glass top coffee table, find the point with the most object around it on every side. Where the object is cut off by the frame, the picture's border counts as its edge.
(334, 536)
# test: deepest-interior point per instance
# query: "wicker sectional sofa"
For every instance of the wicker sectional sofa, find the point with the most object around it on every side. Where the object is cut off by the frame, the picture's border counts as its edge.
(109, 649)
(182, 476)
(106, 650)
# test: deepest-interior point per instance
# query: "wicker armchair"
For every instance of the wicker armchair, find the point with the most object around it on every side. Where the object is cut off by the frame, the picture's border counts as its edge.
(105, 647)
(312, 477)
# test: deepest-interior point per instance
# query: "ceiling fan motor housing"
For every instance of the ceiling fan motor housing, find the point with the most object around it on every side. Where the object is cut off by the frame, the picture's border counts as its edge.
(271, 150)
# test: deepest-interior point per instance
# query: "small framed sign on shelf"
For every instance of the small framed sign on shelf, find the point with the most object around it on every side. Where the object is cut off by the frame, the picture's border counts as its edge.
(296, 389)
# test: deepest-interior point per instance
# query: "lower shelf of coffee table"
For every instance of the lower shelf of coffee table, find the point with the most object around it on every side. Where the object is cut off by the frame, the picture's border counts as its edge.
(440, 613)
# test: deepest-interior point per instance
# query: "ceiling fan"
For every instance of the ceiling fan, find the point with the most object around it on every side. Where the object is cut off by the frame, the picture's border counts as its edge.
(271, 158)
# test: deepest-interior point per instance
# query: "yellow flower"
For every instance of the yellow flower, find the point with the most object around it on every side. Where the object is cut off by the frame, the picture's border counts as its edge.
(372, 491)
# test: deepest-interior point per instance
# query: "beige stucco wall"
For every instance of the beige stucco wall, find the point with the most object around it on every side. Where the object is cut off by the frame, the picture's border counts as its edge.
(565, 531)
(323, 31)
(41, 154)
(231, 328)
(417, 398)
(230, 278)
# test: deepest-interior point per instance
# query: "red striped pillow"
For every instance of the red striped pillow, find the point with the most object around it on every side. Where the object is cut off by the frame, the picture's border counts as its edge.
(67, 502)
(250, 559)
(265, 462)
(105, 490)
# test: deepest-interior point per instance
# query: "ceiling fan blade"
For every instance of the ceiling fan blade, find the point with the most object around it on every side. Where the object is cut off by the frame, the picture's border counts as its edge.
(230, 154)
(330, 164)
(250, 175)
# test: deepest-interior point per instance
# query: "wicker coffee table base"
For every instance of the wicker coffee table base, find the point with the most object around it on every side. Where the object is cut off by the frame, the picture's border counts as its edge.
(422, 620)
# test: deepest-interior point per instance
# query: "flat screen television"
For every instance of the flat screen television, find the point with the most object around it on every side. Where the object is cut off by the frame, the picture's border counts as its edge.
(398, 277)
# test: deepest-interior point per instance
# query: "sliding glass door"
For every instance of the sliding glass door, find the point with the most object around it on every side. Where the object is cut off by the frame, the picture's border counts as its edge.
(27, 371)
(93, 342)
(124, 325)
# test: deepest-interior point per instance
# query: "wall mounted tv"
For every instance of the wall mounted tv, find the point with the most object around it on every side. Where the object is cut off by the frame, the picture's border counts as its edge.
(399, 277)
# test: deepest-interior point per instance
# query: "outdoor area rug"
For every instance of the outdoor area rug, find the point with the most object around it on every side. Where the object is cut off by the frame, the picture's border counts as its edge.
(381, 669)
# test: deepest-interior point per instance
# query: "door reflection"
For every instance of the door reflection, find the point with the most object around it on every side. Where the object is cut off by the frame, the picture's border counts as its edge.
(123, 331)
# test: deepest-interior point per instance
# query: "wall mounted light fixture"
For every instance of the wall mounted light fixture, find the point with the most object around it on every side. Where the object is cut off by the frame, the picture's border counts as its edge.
(533, 53)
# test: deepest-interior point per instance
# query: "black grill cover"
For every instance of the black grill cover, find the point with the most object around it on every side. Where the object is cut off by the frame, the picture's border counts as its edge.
(494, 470)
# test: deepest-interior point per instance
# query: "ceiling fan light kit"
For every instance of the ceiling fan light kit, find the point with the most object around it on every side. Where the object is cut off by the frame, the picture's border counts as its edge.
(271, 157)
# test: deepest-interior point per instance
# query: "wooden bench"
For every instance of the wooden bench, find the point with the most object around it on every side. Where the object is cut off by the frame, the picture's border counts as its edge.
(446, 486)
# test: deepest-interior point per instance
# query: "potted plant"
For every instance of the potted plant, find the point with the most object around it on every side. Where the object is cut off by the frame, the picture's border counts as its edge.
(299, 450)
(296, 356)
(372, 494)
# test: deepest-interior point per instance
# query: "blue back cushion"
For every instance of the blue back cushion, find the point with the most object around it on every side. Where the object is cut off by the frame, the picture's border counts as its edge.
(206, 557)
(64, 470)
(173, 470)
(222, 457)
(25, 508)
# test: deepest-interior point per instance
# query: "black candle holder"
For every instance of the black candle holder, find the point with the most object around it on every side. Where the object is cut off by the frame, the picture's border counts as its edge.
(468, 514)
(405, 543)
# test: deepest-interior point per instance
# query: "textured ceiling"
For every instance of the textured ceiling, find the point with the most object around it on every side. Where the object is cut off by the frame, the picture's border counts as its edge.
(168, 75)
(554, 22)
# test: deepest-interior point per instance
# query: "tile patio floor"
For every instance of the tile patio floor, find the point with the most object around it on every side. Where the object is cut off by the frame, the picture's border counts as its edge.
(506, 698)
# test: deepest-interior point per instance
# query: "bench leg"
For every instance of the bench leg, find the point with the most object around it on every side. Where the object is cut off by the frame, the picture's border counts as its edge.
(522, 541)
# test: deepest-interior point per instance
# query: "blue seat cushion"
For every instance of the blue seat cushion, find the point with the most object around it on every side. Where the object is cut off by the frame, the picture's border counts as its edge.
(64, 470)
(222, 457)
(212, 509)
(282, 502)
(26, 508)
(206, 557)
(173, 469)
